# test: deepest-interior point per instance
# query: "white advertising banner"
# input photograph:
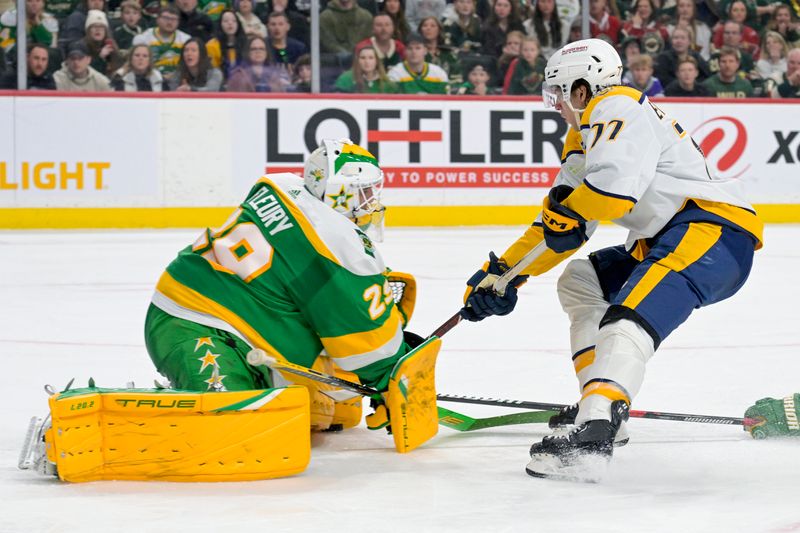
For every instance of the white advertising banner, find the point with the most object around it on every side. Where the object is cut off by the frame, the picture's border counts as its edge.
(169, 151)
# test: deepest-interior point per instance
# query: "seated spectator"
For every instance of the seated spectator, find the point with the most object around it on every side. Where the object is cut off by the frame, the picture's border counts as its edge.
(192, 22)
(772, 65)
(302, 74)
(38, 77)
(41, 27)
(226, 49)
(526, 73)
(60, 9)
(745, 12)
(438, 54)
(298, 22)
(74, 27)
(630, 49)
(366, 76)
(547, 27)
(686, 82)
(342, 24)
(253, 27)
(130, 27)
(790, 86)
(416, 10)
(666, 65)
(138, 74)
(256, 74)
(395, 9)
(575, 31)
(511, 51)
(782, 21)
(642, 21)
(727, 83)
(76, 75)
(601, 22)
(504, 18)
(477, 81)
(732, 38)
(195, 72)
(165, 41)
(463, 31)
(642, 78)
(284, 50)
(415, 75)
(214, 8)
(686, 15)
(749, 37)
(106, 57)
(390, 51)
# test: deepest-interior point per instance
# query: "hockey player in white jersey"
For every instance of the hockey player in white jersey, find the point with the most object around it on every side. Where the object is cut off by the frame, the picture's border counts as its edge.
(691, 243)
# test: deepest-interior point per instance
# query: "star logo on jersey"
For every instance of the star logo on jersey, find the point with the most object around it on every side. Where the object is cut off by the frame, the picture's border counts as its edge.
(215, 381)
(208, 359)
(341, 200)
(203, 341)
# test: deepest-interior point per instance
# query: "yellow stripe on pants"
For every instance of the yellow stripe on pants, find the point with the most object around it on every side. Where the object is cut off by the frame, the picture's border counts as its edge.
(698, 240)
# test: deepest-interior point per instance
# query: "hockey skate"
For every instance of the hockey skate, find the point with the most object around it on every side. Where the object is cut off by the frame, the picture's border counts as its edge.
(566, 418)
(581, 455)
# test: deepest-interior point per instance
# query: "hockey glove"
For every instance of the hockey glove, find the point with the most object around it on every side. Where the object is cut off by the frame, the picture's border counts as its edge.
(481, 301)
(774, 418)
(564, 229)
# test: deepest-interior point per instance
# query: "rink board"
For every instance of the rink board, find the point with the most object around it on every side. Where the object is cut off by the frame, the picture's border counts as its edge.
(116, 161)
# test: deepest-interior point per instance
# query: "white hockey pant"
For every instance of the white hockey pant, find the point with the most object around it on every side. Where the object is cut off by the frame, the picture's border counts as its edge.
(621, 348)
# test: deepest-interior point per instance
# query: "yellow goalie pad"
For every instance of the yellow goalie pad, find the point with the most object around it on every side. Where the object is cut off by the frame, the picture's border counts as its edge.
(166, 435)
(411, 397)
(408, 298)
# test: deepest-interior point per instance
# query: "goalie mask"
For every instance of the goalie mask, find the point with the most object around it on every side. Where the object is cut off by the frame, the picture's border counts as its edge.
(347, 178)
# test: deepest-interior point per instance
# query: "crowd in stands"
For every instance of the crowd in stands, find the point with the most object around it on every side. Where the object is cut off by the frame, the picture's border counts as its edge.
(722, 48)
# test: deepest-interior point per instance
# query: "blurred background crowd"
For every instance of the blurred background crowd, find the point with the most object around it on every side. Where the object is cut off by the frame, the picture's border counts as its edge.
(730, 48)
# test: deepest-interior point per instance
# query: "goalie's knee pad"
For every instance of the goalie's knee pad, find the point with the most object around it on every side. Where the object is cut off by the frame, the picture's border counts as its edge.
(169, 435)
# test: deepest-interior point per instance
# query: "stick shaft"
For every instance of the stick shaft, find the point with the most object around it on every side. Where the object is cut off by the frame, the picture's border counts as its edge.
(655, 415)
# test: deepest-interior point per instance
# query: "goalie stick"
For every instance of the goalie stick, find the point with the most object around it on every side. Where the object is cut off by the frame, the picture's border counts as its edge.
(655, 415)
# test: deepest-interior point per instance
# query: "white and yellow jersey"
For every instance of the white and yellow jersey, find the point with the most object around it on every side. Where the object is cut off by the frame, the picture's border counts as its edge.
(642, 167)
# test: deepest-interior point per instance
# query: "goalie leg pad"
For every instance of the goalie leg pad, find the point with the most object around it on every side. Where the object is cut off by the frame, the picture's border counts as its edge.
(411, 397)
(168, 435)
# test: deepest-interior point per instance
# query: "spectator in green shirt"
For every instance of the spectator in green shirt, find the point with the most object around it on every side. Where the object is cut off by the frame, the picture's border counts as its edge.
(727, 83)
(366, 76)
(526, 73)
(438, 54)
(415, 75)
(41, 27)
(477, 81)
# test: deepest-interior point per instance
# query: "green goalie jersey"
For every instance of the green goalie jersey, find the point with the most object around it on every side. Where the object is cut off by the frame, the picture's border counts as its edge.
(293, 277)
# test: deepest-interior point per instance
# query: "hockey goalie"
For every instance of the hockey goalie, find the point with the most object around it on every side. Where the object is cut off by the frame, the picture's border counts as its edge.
(287, 274)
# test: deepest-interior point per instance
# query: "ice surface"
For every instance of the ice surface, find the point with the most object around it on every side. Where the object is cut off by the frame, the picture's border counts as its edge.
(73, 305)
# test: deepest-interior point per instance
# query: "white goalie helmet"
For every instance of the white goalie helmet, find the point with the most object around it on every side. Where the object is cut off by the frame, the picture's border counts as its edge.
(347, 178)
(593, 60)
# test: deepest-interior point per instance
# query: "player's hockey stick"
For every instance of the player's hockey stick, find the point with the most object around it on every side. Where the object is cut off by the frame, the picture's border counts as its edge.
(461, 422)
(655, 415)
(502, 282)
(499, 285)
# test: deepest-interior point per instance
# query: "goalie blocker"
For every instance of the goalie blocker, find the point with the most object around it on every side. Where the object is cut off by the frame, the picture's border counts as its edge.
(171, 435)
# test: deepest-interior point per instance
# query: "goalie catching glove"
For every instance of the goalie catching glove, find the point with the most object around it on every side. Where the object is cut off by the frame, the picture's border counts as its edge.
(481, 300)
(564, 229)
